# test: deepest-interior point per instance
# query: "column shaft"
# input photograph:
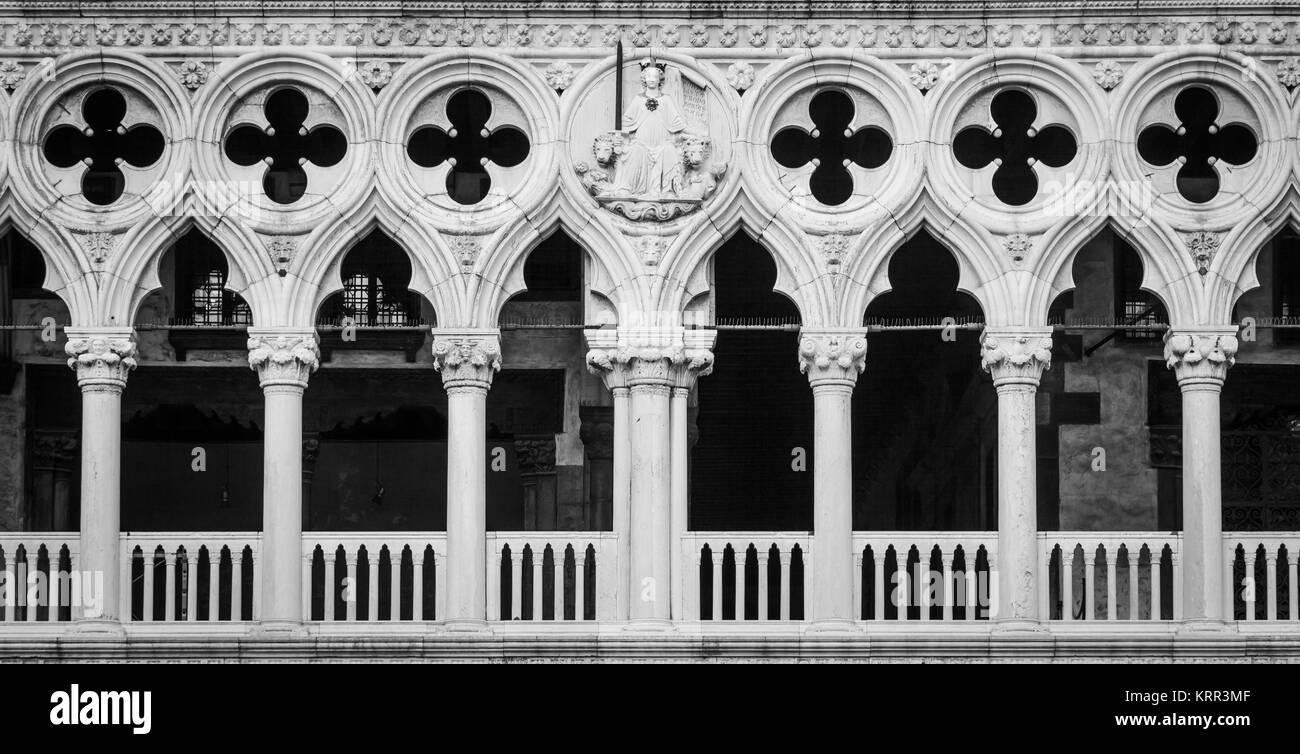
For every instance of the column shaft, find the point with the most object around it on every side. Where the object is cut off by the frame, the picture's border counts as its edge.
(466, 503)
(680, 480)
(1202, 504)
(622, 500)
(1017, 557)
(282, 585)
(832, 548)
(651, 521)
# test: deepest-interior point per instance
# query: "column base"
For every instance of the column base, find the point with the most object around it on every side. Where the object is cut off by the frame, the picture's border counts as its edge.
(1018, 626)
(99, 627)
(653, 625)
(467, 626)
(833, 626)
(1204, 626)
(280, 629)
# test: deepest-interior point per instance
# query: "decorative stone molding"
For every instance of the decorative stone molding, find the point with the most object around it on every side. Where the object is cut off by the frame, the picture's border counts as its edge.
(535, 455)
(98, 245)
(834, 246)
(1018, 246)
(650, 249)
(832, 357)
(466, 250)
(375, 73)
(283, 357)
(282, 250)
(924, 75)
(1288, 73)
(467, 359)
(559, 75)
(1203, 246)
(11, 75)
(1016, 356)
(102, 357)
(696, 358)
(193, 74)
(1201, 356)
(740, 75)
(1108, 74)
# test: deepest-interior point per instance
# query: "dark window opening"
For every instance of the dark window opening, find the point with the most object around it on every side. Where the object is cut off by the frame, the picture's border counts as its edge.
(468, 146)
(101, 143)
(376, 275)
(1017, 143)
(1286, 287)
(1134, 306)
(287, 144)
(24, 267)
(1200, 141)
(831, 146)
(200, 284)
(553, 271)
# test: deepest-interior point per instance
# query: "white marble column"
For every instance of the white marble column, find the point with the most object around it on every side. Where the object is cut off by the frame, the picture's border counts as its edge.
(832, 359)
(102, 357)
(1200, 359)
(283, 358)
(1016, 358)
(697, 362)
(467, 359)
(600, 361)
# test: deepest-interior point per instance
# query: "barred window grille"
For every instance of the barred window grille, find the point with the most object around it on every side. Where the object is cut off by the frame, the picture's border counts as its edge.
(208, 301)
(1134, 306)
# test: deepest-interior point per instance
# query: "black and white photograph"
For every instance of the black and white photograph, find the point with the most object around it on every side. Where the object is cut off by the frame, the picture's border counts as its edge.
(342, 339)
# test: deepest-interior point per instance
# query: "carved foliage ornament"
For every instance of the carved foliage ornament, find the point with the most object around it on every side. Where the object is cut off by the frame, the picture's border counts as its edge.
(1015, 358)
(283, 359)
(1018, 246)
(1202, 246)
(1200, 355)
(832, 358)
(667, 365)
(101, 359)
(467, 361)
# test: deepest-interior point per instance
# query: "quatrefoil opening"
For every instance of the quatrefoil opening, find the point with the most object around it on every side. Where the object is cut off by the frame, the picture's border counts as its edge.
(103, 146)
(831, 147)
(1015, 145)
(468, 146)
(1198, 143)
(286, 145)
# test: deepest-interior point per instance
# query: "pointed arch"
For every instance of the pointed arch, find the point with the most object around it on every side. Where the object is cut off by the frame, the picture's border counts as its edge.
(143, 248)
(64, 276)
(1167, 272)
(1236, 273)
(322, 252)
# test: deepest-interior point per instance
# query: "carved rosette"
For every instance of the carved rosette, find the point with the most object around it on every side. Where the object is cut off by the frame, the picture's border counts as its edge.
(1201, 357)
(467, 360)
(283, 359)
(1017, 357)
(832, 358)
(102, 359)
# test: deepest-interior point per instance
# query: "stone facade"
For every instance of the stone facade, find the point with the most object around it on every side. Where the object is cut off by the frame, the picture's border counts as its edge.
(832, 133)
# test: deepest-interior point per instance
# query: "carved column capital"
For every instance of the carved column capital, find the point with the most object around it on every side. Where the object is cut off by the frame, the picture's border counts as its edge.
(832, 357)
(1200, 357)
(283, 357)
(102, 357)
(653, 357)
(1016, 356)
(467, 359)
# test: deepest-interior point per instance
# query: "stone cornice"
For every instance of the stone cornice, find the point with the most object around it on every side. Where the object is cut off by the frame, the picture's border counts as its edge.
(467, 358)
(1201, 356)
(832, 357)
(1016, 356)
(283, 358)
(102, 357)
